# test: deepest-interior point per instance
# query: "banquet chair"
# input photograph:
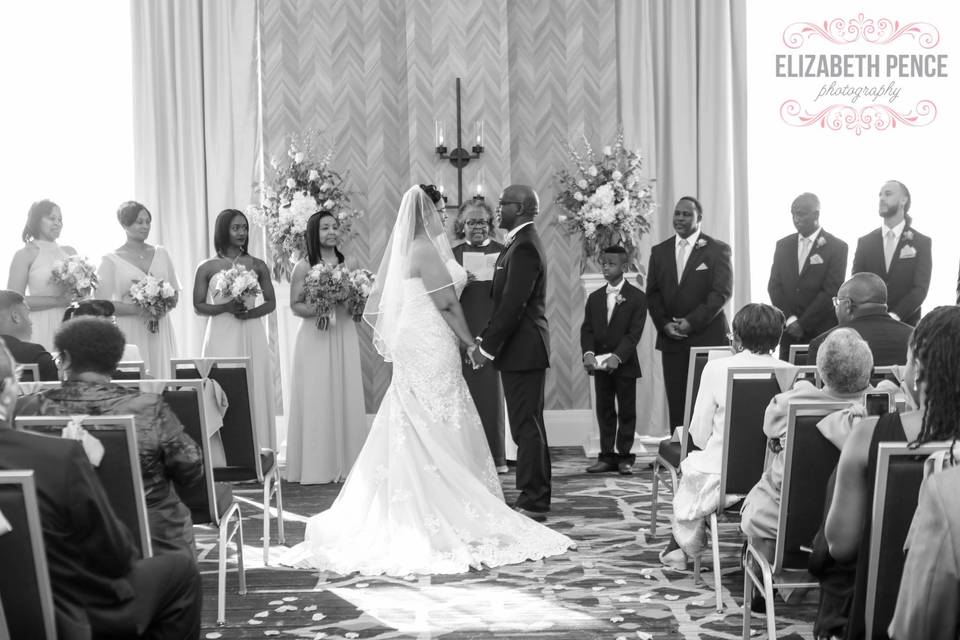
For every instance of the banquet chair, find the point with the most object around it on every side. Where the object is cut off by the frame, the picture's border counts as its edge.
(130, 370)
(798, 354)
(671, 452)
(24, 579)
(246, 459)
(29, 372)
(809, 459)
(119, 471)
(900, 472)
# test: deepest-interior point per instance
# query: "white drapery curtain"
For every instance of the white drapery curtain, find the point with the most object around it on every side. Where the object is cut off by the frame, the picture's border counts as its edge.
(196, 128)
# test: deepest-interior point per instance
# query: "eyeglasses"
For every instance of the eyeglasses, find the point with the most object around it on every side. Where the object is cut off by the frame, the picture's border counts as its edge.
(837, 300)
(475, 223)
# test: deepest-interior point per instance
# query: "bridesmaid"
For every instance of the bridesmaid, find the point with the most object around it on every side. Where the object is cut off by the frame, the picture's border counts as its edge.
(327, 423)
(475, 225)
(32, 266)
(232, 330)
(130, 263)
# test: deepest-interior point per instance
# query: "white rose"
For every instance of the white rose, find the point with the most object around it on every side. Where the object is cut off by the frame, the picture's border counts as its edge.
(616, 175)
(313, 175)
(328, 205)
(607, 151)
(291, 183)
(582, 183)
(168, 291)
(326, 186)
(578, 196)
(298, 157)
(592, 171)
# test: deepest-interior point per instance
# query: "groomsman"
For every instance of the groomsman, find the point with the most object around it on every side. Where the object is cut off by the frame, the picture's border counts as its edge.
(898, 253)
(688, 282)
(612, 324)
(808, 269)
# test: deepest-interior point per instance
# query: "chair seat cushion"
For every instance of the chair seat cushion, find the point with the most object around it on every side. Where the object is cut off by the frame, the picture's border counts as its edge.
(268, 458)
(670, 451)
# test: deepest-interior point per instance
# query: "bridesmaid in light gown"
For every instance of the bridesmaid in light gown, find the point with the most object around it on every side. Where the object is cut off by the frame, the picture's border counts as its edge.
(32, 266)
(130, 263)
(327, 423)
(234, 330)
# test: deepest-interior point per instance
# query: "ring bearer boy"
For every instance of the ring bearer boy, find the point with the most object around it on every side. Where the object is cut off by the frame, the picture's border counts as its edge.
(612, 325)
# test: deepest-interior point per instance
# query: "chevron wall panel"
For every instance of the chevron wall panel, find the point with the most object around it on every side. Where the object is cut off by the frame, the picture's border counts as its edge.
(373, 75)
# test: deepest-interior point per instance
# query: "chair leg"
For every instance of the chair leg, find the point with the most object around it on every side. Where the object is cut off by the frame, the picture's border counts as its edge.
(747, 598)
(674, 479)
(222, 572)
(715, 540)
(278, 489)
(241, 570)
(654, 498)
(267, 482)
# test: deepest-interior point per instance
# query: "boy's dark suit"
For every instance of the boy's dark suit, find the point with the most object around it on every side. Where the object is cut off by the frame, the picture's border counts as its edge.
(619, 336)
(699, 297)
(518, 338)
(909, 277)
(807, 293)
(98, 583)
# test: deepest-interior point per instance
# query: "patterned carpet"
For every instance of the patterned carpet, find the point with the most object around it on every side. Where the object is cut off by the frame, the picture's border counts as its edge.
(612, 586)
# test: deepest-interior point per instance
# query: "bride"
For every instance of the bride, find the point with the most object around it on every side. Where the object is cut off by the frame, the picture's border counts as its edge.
(423, 496)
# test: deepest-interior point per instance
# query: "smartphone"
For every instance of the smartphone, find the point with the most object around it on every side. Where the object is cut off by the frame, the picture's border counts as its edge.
(877, 404)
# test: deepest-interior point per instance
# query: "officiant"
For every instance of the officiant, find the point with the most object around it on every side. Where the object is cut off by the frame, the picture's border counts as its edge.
(478, 255)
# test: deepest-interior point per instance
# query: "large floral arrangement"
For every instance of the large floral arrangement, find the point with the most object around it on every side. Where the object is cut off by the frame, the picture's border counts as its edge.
(606, 200)
(297, 187)
(155, 297)
(323, 288)
(76, 276)
(239, 284)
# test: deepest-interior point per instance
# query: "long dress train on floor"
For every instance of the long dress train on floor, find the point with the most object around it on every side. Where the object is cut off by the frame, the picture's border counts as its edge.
(45, 321)
(116, 277)
(228, 336)
(423, 496)
(327, 421)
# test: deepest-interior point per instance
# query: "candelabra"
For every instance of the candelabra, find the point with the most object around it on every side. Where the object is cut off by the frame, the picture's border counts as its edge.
(460, 157)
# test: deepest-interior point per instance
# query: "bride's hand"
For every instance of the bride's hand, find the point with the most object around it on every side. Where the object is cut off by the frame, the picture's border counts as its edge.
(323, 323)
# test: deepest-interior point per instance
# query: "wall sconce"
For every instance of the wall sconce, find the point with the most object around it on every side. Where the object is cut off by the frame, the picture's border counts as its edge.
(478, 187)
(459, 157)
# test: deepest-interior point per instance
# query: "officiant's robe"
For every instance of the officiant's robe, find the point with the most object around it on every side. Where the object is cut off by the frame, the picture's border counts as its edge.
(484, 383)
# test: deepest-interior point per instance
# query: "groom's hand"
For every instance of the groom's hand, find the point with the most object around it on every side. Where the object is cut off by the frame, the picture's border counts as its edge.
(477, 357)
(589, 362)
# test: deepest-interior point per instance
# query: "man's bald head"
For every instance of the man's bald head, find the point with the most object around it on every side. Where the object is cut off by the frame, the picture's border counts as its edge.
(864, 288)
(524, 194)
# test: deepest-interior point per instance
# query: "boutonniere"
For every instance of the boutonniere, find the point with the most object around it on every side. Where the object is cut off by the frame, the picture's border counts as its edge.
(701, 243)
(619, 300)
(908, 235)
(821, 241)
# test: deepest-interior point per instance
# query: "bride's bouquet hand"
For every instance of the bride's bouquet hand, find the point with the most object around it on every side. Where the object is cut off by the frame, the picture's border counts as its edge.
(323, 323)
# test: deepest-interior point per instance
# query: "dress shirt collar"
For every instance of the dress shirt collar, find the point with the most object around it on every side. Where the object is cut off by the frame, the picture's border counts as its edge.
(615, 288)
(482, 244)
(897, 230)
(513, 232)
(812, 237)
(691, 241)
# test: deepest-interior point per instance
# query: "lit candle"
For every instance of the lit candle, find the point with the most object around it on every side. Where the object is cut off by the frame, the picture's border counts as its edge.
(438, 124)
(479, 193)
(480, 132)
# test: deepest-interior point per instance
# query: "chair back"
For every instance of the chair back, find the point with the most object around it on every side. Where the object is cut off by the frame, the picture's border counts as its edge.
(896, 492)
(798, 354)
(24, 577)
(239, 437)
(130, 370)
(809, 459)
(699, 356)
(811, 374)
(29, 372)
(119, 471)
(749, 391)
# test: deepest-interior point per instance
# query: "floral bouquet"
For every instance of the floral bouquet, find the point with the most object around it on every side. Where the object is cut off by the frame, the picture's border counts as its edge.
(361, 284)
(76, 276)
(297, 188)
(324, 287)
(606, 200)
(155, 297)
(238, 283)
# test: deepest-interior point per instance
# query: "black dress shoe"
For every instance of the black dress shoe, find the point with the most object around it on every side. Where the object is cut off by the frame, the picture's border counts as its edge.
(601, 467)
(625, 468)
(537, 516)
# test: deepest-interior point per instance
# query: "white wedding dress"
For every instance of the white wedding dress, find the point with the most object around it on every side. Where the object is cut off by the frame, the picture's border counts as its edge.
(423, 496)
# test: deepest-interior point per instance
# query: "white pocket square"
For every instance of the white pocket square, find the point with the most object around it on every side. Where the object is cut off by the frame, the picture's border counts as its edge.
(498, 268)
(908, 252)
(816, 259)
(702, 267)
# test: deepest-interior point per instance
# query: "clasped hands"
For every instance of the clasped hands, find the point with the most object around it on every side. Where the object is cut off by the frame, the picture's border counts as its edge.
(475, 357)
(590, 363)
(678, 329)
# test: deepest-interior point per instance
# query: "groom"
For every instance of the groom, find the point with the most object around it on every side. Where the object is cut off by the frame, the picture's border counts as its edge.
(517, 340)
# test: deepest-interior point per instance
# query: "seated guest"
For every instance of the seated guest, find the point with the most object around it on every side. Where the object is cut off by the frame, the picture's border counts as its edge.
(90, 349)
(102, 309)
(99, 586)
(845, 363)
(928, 605)
(933, 368)
(16, 330)
(756, 333)
(861, 304)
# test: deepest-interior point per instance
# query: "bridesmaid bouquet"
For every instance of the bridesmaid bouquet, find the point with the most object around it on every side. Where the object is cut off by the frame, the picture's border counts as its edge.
(155, 297)
(361, 284)
(325, 286)
(76, 276)
(238, 283)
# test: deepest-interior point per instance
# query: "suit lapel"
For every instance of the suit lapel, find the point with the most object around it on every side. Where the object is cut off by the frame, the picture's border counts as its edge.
(813, 250)
(692, 263)
(896, 252)
(794, 266)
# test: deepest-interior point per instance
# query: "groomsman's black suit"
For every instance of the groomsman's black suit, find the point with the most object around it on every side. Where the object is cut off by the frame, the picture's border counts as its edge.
(32, 353)
(699, 297)
(616, 390)
(518, 338)
(909, 277)
(807, 293)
